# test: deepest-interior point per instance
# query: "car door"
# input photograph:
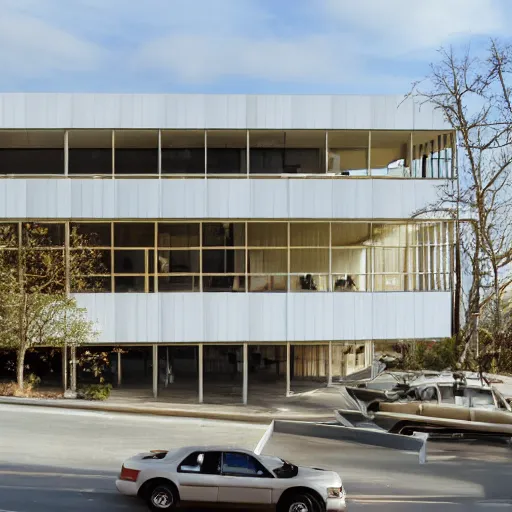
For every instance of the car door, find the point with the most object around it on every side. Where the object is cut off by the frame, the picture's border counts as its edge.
(199, 475)
(244, 480)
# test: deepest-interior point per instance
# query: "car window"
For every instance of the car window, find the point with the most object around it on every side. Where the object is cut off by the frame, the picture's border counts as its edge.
(242, 464)
(447, 394)
(479, 397)
(206, 463)
(429, 394)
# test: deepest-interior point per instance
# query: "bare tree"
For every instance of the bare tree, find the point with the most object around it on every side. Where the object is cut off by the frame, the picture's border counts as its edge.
(474, 94)
(36, 274)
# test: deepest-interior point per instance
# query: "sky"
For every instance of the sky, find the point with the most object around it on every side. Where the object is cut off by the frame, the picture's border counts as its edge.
(236, 46)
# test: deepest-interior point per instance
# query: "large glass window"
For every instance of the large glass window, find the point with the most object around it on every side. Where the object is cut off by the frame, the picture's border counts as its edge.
(227, 152)
(432, 155)
(390, 154)
(183, 152)
(32, 152)
(348, 152)
(288, 152)
(90, 152)
(136, 152)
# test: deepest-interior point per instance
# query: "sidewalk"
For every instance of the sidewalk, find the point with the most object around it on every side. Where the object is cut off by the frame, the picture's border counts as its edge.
(314, 405)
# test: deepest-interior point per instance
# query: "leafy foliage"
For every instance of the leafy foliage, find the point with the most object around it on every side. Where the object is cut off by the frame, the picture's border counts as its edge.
(95, 392)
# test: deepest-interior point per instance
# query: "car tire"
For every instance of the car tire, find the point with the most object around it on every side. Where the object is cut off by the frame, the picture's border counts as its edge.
(162, 496)
(300, 503)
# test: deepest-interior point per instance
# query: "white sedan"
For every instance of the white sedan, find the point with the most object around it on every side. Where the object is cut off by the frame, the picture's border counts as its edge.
(227, 476)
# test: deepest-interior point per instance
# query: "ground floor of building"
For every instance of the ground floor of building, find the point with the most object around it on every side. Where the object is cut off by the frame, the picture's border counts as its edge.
(199, 373)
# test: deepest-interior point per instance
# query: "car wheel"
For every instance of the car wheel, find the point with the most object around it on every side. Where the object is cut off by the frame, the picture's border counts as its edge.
(162, 497)
(300, 503)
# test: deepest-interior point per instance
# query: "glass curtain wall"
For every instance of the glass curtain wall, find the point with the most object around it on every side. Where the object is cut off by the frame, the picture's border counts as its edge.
(227, 256)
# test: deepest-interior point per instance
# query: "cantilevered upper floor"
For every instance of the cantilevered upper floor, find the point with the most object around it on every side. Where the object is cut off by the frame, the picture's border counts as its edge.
(238, 136)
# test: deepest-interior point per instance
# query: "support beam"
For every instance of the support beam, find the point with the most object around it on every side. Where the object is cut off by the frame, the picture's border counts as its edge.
(155, 371)
(200, 371)
(372, 360)
(329, 374)
(245, 373)
(119, 372)
(288, 369)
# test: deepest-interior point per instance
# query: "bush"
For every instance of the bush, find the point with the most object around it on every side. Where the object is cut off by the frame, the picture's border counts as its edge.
(32, 381)
(437, 356)
(95, 392)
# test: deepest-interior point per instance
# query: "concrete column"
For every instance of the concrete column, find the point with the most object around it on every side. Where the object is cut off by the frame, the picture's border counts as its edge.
(372, 357)
(288, 369)
(245, 373)
(155, 371)
(65, 368)
(329, 373)
(119, 373)
(200, 373)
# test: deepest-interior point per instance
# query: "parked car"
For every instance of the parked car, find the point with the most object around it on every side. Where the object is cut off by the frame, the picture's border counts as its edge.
(221, 476)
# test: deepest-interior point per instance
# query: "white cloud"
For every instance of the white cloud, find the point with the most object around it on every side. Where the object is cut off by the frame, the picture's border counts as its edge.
(31, 47)
(403, 26)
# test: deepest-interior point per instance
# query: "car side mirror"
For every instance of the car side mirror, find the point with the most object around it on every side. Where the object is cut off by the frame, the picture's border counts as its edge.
(259, 473)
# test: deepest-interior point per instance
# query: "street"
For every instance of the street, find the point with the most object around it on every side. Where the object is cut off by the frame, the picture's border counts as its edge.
(55, 460)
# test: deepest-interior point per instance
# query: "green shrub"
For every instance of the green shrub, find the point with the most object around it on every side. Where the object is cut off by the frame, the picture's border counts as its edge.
(95, 392)
(32, 381)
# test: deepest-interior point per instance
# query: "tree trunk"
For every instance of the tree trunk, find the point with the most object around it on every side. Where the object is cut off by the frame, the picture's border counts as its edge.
(20, 366)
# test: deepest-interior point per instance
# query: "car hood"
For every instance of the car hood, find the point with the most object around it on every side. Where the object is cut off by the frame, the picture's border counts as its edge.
(326, 477)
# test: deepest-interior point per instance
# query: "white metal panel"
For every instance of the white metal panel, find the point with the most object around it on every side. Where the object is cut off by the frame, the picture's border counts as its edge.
(268, 317)
(137, 199)
(222, 198)
(197, 111)
(228, 198)
(269, 199)
(182, 198)
(93, 199)
(310, 199)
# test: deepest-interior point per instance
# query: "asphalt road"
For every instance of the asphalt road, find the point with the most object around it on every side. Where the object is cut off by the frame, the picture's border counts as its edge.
(56, 461)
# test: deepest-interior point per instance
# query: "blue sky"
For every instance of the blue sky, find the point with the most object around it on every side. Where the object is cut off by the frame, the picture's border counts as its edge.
(235, 46)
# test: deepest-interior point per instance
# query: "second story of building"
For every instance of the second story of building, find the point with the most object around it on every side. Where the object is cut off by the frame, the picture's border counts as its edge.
(93, 156)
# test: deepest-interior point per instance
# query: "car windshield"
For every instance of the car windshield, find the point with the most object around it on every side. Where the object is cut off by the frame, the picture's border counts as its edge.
(286, 470)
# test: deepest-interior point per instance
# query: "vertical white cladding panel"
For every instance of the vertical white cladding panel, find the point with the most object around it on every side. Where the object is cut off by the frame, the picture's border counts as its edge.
(351, 112)
(228, 199)
(226, 111)
(226, 316)
(310, 199)
(351, 313)
(93, 199)
(183, 199)
(352, 199)
(310, 316)
(101, 311)
(267, 316)
(311, 112)
(137, 199)
(48, 199)
(269, 112)
(181, 317)
(185, 111)
(269, 199)
(13, 199)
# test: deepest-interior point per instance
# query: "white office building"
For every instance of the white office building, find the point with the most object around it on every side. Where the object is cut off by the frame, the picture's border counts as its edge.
(265, 239)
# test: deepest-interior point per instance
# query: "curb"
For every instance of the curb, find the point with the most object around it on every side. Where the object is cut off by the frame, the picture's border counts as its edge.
(263, 418)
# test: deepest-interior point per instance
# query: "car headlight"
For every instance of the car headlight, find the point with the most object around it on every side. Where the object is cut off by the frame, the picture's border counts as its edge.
(334, 492)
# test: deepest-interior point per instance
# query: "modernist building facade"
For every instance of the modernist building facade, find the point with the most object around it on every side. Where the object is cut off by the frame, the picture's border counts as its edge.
(285, 226)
